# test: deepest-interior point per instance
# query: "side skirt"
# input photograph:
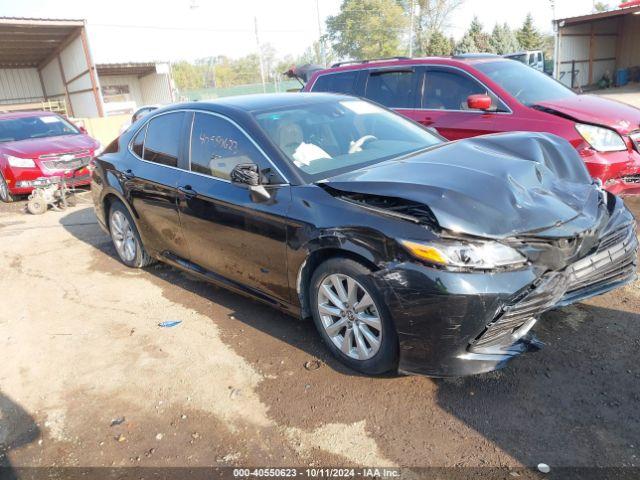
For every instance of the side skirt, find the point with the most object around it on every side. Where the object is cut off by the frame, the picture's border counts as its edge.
(212, 277)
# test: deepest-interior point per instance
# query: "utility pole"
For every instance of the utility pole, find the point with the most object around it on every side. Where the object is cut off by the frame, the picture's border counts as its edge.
(323, 52)
(411, 28)
(264, 86)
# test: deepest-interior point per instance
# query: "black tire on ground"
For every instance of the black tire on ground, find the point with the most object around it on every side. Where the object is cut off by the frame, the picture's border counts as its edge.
(386, 358)
(5, 194)
(141, 258)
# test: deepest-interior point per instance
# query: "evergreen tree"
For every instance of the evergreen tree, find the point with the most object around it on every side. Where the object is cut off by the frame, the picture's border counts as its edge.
(438, 45)
(528, 36)
(503, 40)
(480, 38)
(467, 44)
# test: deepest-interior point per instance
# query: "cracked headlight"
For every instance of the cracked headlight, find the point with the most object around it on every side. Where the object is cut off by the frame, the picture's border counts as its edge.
(473, 255)
(601, 139)
(20, 162)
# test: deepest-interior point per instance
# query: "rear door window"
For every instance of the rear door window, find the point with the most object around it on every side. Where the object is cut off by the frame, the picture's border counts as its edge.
(394, 89)
(162, 141)
(449, 89)
(344, 82)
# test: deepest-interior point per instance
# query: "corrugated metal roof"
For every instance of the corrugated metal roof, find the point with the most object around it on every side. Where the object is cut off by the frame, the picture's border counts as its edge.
(35, 19)
(599, 15)
(30, 42)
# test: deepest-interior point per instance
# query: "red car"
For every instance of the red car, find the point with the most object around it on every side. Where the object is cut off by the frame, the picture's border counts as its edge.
(40, 144)
(469, 95)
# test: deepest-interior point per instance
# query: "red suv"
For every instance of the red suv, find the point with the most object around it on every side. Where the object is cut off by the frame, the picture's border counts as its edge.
(40, 144)
(469, 95)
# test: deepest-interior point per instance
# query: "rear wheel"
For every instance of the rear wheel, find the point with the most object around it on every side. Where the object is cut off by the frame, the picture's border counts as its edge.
(126, 239)
(352, 318)
(5, 194)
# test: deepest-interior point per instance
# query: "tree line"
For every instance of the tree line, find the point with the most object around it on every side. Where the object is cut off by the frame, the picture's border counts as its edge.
(368, 29)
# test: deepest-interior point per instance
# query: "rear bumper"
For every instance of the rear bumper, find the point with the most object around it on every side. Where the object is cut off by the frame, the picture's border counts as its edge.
(455, 324)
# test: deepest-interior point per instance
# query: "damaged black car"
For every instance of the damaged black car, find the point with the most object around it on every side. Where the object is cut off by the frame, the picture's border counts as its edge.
(410, 253)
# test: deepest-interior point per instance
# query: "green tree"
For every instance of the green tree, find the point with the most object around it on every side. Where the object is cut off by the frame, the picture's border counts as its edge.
(528, 36)
(430, 16)
(367, 28)
(187, 75)
(601, 7)
(480, 38)
(503, 40)
(438, 45)
(466, 44)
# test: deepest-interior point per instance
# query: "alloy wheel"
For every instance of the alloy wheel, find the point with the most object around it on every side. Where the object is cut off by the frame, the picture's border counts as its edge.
(123, 236)
(349, 316)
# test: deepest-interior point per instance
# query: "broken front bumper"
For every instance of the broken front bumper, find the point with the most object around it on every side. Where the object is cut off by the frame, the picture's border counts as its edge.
(452, 324)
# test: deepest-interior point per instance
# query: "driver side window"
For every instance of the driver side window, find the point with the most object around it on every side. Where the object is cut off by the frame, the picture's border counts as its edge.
(217, 146)
(449, 90)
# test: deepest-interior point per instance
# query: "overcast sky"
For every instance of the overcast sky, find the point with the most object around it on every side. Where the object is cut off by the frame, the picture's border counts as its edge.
(143, 30)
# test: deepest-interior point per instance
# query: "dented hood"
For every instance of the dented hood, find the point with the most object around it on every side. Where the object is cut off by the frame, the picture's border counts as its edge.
(493, 186)
(597, 110)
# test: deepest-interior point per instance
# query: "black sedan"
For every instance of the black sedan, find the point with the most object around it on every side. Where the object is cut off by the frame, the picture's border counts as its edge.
(411, 254)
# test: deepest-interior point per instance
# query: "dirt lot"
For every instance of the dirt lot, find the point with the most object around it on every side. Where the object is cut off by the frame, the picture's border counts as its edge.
(628, 94)
(81, 349)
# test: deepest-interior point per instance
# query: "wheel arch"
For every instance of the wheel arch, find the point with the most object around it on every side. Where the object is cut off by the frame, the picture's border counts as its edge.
(315, 258)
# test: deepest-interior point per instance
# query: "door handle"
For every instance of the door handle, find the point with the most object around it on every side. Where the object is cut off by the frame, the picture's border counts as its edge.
(187, 191)
(128, 174)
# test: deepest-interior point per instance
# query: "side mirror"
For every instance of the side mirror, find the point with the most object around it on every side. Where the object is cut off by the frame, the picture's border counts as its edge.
(248, 174)
(82, 129)
(479, 102)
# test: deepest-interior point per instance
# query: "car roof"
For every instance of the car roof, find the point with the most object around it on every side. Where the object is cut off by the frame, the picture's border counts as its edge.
(31, 113)
(262, 101)
(456, 60)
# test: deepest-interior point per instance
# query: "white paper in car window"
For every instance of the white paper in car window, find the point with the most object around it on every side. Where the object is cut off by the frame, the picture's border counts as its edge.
(49, 119)
(360, 107)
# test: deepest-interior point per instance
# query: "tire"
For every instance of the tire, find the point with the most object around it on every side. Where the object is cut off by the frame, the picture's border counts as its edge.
(5, 194)
(37, 205)
(126, 239)
(367, 326)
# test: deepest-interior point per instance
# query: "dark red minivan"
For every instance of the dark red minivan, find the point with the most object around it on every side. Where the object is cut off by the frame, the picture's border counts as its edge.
(40, 144)
(471, 95)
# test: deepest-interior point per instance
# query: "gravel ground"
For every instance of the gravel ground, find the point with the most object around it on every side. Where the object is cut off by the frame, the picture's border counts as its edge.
(89, 379)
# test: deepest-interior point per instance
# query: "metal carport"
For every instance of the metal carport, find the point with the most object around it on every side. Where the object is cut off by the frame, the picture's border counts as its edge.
(588, 46)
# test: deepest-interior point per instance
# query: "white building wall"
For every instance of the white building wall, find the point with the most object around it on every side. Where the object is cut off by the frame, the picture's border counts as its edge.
(131, 80)
(18, 85)
(156, 89)
(575, 44)
(53, 84)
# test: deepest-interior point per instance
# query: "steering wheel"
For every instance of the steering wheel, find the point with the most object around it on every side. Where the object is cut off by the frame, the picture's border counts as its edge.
(357, 145)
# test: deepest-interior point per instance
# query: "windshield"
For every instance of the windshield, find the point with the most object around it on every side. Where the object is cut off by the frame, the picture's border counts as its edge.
(325, 139)
(527, 85)
(25, 128)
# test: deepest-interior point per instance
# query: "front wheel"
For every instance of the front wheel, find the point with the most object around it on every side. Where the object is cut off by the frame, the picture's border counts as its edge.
(126, 239)
(352, 318)
(5, 194)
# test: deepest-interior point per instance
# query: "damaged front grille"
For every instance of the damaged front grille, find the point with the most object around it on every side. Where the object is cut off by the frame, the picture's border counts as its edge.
(521, 312)
(65, 161)
(614, 262)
